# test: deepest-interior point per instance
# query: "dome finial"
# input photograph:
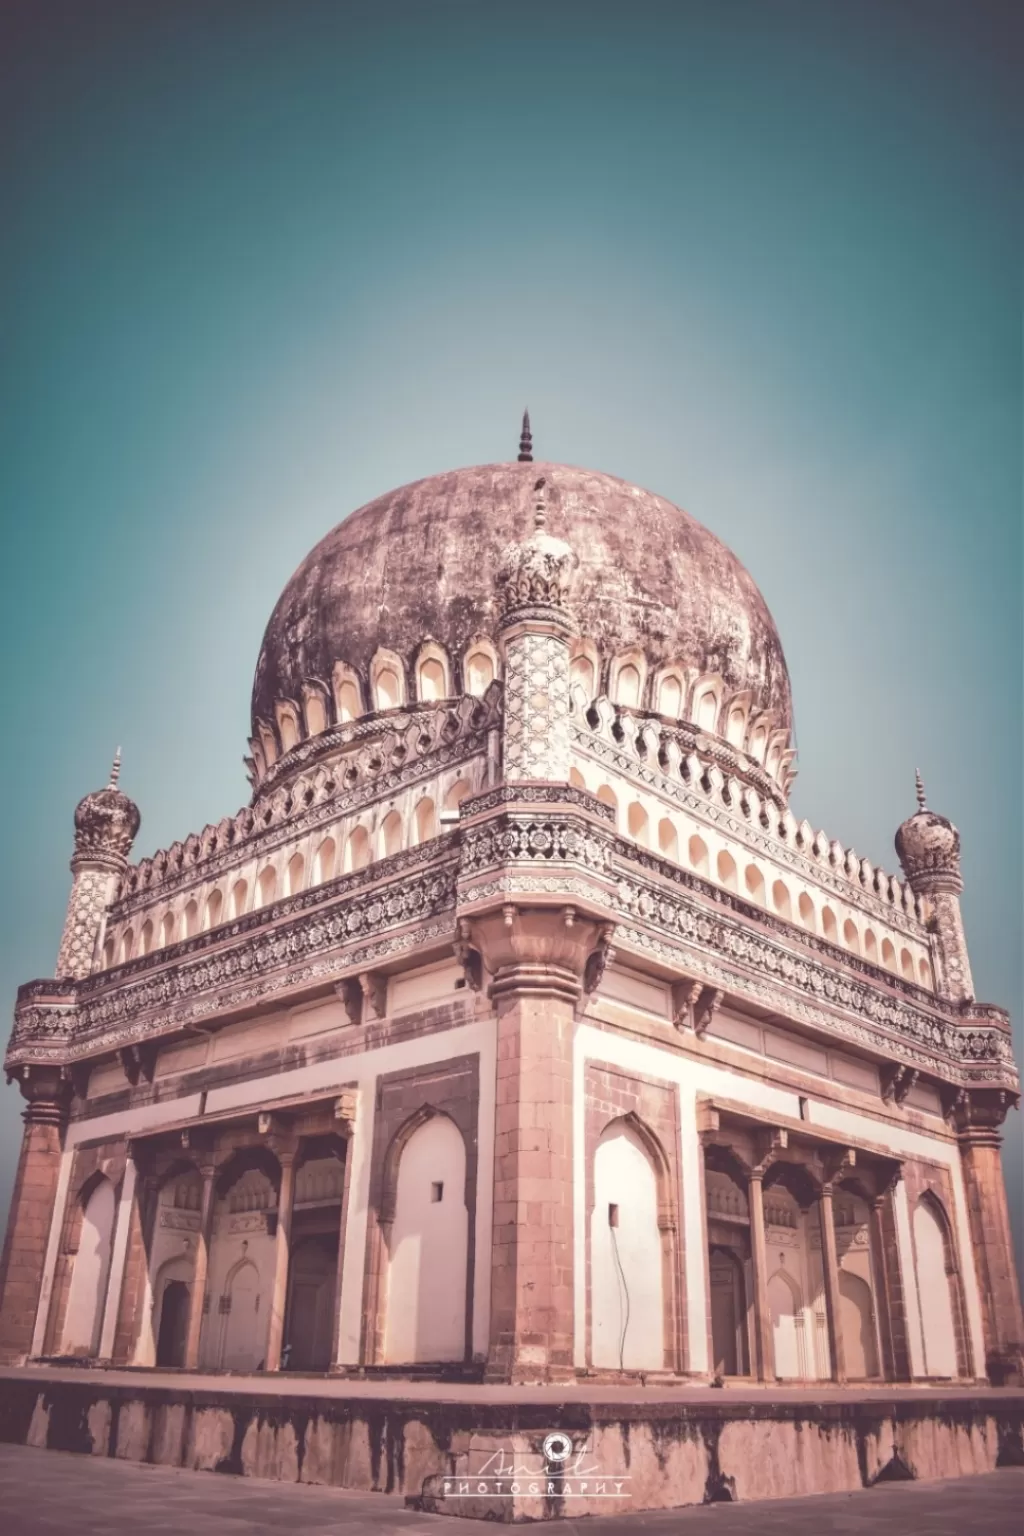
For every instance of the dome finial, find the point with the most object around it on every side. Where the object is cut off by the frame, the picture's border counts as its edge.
(526, 441)
(115, 770)
(921, 803)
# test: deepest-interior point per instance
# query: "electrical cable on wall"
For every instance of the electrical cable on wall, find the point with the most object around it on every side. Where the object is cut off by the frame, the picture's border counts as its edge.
(613, 1222)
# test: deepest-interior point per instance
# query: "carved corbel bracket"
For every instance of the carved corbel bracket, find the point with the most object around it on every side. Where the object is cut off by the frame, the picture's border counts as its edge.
(767, 1145)
(345, 1107)
(598, 959)
(694, 1006)
(838, 1163)
(897, 1081)
(468, 956)
(79, 1073)
(363, 997)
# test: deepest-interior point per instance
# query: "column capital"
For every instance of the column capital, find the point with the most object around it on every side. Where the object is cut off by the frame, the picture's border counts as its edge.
(542, 951)
(977, 1114)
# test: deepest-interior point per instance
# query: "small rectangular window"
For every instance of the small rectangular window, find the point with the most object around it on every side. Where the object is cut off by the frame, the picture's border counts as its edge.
(437, 1192)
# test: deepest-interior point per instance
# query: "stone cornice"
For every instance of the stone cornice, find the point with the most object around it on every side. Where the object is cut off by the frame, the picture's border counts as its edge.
(527, 843)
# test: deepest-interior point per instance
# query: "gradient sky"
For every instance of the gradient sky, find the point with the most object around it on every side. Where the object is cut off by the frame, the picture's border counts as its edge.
(262, 262)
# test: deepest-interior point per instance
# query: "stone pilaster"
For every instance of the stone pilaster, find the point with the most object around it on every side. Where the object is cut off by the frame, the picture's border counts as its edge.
(32, 1203)
(537, 959)
(976, 1116)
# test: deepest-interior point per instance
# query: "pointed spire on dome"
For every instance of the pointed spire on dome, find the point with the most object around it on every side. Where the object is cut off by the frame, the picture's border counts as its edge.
(921, 802)
(115, 770)
(526, 441)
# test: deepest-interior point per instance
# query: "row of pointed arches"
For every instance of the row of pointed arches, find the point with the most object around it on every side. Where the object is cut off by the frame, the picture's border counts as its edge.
(342, 851)
(764, 888)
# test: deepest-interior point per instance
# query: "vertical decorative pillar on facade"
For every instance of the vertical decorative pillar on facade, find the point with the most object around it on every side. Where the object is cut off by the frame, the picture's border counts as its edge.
(197, 1301)
(536, 632)
(928, 846)
(765, 1363)
(106, 823)
(282, 1251)
(977, 1115)
(830, 1270)
(32, 1202)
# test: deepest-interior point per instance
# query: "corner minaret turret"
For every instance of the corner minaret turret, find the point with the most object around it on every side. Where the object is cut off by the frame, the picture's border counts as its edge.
(928, 846)
(537, 628)
(106, 824)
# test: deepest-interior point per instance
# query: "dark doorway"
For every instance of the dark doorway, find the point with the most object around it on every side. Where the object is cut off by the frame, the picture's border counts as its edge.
(170, 1343)
(311, 1283)
(728, 1314)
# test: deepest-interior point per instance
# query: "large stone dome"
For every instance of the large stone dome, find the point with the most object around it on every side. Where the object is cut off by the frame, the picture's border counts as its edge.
(420, 562)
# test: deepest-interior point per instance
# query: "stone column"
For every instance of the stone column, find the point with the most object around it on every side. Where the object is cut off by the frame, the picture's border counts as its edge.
(977, 1116)
(282, 1250)
(198, 1298)
(765, 1362)
(830, 1268)
(32, 1206)
(883, 1290)
(537, 958)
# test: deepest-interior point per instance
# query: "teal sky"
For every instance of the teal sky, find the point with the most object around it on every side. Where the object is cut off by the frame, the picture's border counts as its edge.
(260, 263)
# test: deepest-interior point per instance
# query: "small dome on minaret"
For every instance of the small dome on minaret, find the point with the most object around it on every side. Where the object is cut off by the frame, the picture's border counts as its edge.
(106, 821)
(928, 846)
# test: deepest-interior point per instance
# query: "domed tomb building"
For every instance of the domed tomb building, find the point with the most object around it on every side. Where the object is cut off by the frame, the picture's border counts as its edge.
(517, 1027)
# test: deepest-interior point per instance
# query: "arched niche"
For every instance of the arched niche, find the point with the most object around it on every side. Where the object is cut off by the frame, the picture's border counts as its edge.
(697, 853)
(387, 681)
(424, 820)
(781, 900)
(479, 667)
(627, 678)
(638, 823)
(266, 886)
(389, 836)
(584, 672)
(348, 694)
(288, 724)
(315, 707)
(629, 1263)
(937, 1289)
(670, 693)
(427, 1244)
(91, 1272)
(239, 898)
(295, 874)
(357, 850)
(433, 680)
(726, 868)
(211, 915)
(668, 839)
(325, 861)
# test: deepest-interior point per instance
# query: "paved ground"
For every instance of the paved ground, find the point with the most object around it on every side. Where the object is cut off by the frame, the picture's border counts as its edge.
(51, 1492)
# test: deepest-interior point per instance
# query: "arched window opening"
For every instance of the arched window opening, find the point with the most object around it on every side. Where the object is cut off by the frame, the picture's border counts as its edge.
(325, 860)
(146, 938)
(924, 973)
(390, 835)
(639, 823)
(807, 911)
(576, 779)
(851, 938)
(316, 714)
(754, 882)
(357, 850)
(433, 682)
(266, 886)
(758, 738)
(737, 725)
(424, 821)
(108, 952)
(871, 945)
(727, 871)
(455, 796)
(781, 900)
(628, 684)
(479, 672)
(348, 702)
(288, 726)
(214, 903)
(706, 712)
(239, 894)
(387, 689)
(888, 954)
(829, 925)
(935, 1281)
(296, 873)
(668, 839)
(697, 852)
(191, 919)
(167, 930)
(906, 965)
(670, 696)
(127, 945)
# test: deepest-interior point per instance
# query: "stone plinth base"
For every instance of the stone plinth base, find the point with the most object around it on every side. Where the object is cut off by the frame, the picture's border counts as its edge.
(518, 1454)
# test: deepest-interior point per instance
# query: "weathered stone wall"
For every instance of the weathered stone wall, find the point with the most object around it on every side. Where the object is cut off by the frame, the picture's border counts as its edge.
(663, 1453)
